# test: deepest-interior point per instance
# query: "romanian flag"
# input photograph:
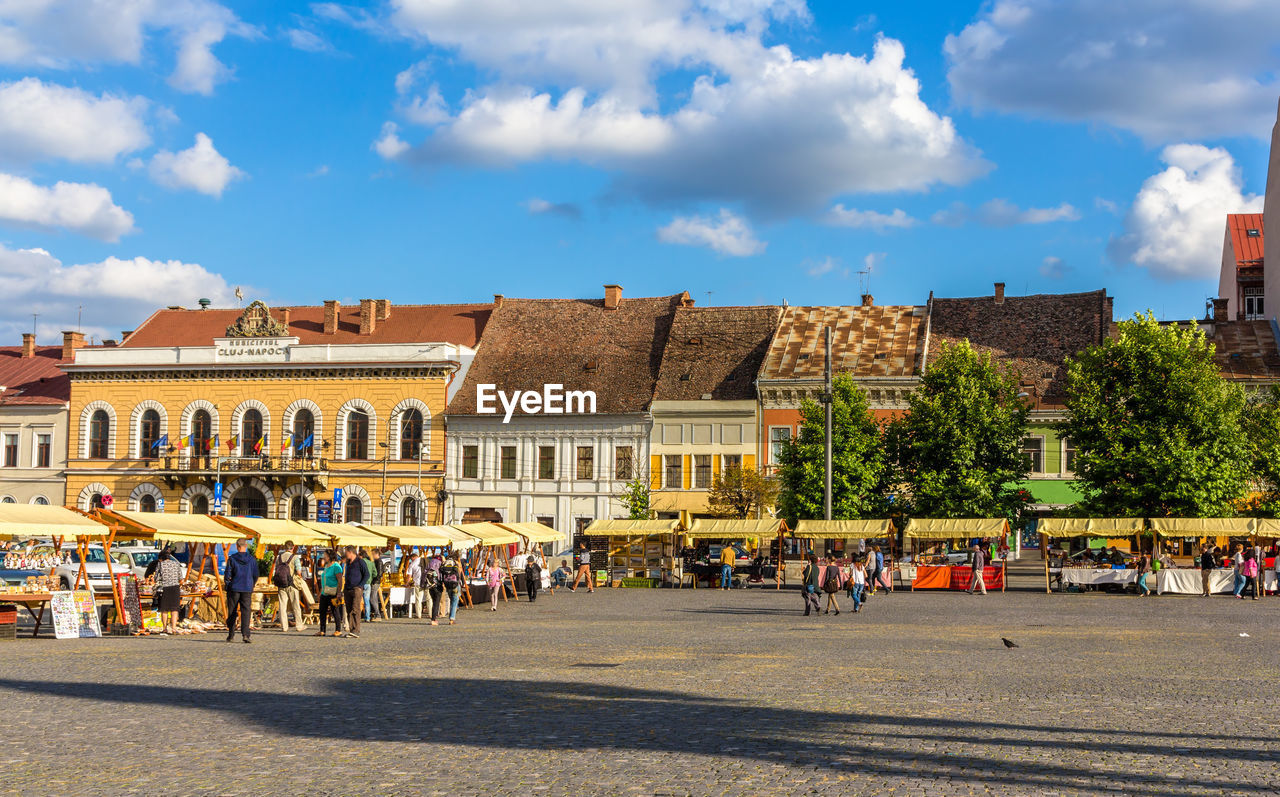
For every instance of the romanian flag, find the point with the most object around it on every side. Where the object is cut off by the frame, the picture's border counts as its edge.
(288, 443)
(211, 444)
(233, 442)
(257, 447)
(184, 441)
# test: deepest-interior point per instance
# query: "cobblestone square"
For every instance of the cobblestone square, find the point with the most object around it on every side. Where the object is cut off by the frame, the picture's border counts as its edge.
(663, 692)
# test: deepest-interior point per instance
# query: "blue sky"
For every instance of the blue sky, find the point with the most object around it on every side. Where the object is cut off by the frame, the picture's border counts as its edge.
(747, 151)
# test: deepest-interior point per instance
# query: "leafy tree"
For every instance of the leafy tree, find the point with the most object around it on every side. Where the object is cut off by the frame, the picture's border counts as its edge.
(635, 497)
(959, 446)
(859, 468)
(739, 493)
(1157, 430)
(1262, 432)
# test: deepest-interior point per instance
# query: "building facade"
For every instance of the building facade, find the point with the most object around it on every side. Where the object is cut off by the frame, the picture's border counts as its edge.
(34, 395)
(267, 413)
(1240, 280)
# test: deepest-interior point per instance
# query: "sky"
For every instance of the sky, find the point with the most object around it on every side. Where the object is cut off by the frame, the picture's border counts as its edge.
(155, 152)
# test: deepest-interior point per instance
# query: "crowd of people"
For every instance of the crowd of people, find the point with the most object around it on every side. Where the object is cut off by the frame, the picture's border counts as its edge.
(858, 577)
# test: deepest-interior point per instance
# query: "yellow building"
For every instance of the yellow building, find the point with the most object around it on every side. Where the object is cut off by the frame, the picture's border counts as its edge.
(269, 413)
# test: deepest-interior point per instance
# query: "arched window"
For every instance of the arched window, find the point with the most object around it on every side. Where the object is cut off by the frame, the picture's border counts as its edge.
(353, 510)
(42, 501)
(99, 435)
(146, 503)
(200, 505)
(410, 434)
(298, 508)
(96, 502)
(249, 502)
(148, 434)
(250, 432)
(409, 512)
(304, 428)
(201, 431)
(357, 435)
(8, 499)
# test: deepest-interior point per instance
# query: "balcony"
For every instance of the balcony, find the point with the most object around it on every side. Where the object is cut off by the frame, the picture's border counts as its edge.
(178, 471)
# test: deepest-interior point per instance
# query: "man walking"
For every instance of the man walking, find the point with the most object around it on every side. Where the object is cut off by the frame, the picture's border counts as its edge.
(357, 580)
(979, 562)
(728, 556)
(583, 558)
(532, 577)
(240, 576)
(413, 583)
(1208, 561)
(283, 573)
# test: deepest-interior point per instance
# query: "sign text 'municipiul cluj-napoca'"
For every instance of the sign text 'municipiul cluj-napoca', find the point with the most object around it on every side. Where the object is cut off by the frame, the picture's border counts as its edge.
(551, 400)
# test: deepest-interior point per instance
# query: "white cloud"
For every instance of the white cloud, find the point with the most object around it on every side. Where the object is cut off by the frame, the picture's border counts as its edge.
(68, 33)
(199, 168)
(389, 145)
(82, 208)
(307, 41)
(319, 171)
(1166, 71)
(1054, 268)
(1002, 213)
(873, 259)
(828, 265)
(538, 206)
(41, 121)
(840, 216)
(114, 293)
(1174, 228)
(728, 234)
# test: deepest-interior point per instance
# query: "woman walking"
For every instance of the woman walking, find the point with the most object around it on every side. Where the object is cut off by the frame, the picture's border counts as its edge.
(451, 580)
(809, 578)
(832, 582)
(1249, 569)
(493, 577)
(857, 583)
(168, 579)
(330, 591)
(1144, 566)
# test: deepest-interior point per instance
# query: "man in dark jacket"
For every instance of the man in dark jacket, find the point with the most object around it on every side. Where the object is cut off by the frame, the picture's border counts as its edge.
(240, 577)
(357, 581)
(532, 578)
(1208, 561)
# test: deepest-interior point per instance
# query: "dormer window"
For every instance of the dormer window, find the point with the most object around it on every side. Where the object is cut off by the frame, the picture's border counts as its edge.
(1252, 233)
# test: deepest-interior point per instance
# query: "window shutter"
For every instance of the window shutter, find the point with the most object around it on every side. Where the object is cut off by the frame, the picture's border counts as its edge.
(715, 467)
(655, 472)
(686, 472)
(748, 461)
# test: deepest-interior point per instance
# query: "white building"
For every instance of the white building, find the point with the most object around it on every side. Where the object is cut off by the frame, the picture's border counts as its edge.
(34, 395)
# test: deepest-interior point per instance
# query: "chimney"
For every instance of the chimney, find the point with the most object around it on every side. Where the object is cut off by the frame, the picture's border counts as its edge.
(1219, 311)
(330, 316)
(284, 318)
(70, 342)
(497, 300)
(612, 296)
(384, 309)
(368, 316)
(999, 293)
(28, 345)
(867, 300)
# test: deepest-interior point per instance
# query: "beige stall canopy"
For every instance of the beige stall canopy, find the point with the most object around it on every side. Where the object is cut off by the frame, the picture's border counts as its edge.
(721, 528)
(426, 536)
(955, 528)
(1266, 527)
(36, 520)
(170, 526)
(1203, 526)
(534, 532)
(630, 528)
(843, 529)
(1089, 526)
(488, 533)
(344, 534)
(274, 532)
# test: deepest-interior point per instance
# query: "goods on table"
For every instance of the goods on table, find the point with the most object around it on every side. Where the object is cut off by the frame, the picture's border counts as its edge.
(33, 584)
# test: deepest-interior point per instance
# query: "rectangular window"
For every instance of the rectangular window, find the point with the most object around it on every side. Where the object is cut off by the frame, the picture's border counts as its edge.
(586, 463)
(547, 521)
(1253, 304)
(1033, 448)
(471, 462)
(1068, 456)
(624, 463)
(731, 462)
(702, 471)
(674, 478)
(44, 450)
(778, 438)
(508, 462)
(11, 451)
(546, 462)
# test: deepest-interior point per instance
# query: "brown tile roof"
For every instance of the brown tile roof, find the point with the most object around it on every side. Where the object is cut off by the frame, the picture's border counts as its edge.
(1246, 350)
(408, 323)
(716, 351)
(867, 341)
(577, 343)
(33, 380)
(1034, 334)
(1247, 248)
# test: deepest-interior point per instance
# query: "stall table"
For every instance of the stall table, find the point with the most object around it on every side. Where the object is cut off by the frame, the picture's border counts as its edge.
(1098, 576)
(955, 577)
(27, 600)
(1188, 581)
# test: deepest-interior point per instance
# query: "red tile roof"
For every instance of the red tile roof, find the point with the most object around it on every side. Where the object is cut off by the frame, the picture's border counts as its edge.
(866, 341)
(1248, 249)
(461, 324)
(33, 380)
(715, 351)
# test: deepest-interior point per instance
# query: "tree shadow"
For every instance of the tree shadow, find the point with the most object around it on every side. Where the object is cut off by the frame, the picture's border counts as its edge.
(482, 713)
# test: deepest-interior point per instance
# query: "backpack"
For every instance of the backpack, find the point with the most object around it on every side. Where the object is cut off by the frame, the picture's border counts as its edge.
(282, 573)
(430, 579)
(449, 576)
(832, 584)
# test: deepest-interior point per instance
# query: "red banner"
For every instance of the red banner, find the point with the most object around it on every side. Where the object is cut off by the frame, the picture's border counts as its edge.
(956, 577)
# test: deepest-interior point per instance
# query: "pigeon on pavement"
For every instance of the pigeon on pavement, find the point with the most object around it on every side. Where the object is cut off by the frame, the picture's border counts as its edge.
(1008, 643)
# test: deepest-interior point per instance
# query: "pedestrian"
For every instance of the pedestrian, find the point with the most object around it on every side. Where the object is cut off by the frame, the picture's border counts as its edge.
(355, 582)
(1249, 569)
(1144, 565)
(857, 583)
(283, 573)
(1237, 567)
(493, 577)
(832, 582)
(875, 564)
(371, 562)
(809, 579)
(431, 586)
(331, 572)
(1208, 562)
(976, 580)
(582, 556)
(452, 582)
(532, 577)
(240, 577)
(169, 589)
(413, 584)
(728, 557)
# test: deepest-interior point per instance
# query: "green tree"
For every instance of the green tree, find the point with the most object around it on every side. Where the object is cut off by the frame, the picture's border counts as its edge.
(635, 498)
(1157, 431)
(739, 493)
(859, 468)
(959, 446)
(1262, 432)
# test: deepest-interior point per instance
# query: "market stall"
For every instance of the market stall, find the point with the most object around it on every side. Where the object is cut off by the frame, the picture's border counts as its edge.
(535, 537)
(1268, 529)
(846, 530)
(1188, 580)
(270, 533)
(492, 540)
(725, 530)
(937, 571)
(1065, 571)
(640, 552)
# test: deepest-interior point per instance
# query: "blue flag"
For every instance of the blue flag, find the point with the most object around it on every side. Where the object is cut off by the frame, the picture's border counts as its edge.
(162, 442)
(305, 444)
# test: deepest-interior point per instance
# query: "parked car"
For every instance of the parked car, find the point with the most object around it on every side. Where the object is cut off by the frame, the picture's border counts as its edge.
(131, 559)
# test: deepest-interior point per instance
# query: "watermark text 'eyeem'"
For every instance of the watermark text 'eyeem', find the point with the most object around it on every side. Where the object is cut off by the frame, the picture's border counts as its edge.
(551, 400)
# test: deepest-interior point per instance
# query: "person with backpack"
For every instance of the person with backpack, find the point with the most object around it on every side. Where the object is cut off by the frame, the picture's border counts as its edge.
(331, 571)
(532, 577)
(451, 579)
(356, 582)
(431, 587)
(809, 581)
(413, 584)
(832, 582)
(283, 572)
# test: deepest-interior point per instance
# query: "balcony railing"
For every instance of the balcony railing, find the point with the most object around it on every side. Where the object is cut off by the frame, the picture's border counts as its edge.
(187, 463)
